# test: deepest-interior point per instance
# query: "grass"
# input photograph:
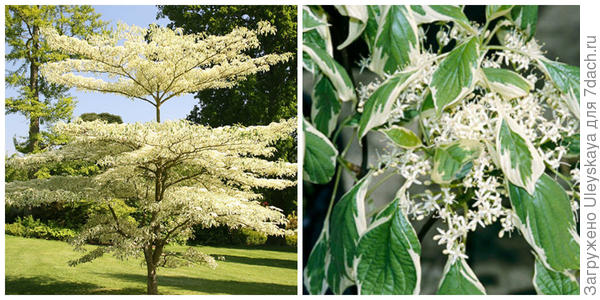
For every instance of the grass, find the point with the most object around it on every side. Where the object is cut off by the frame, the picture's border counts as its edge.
(39, 267)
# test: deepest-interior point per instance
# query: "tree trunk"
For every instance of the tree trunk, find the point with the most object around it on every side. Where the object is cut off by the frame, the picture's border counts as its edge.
(34, 122)
(157, 113)
(152, 280)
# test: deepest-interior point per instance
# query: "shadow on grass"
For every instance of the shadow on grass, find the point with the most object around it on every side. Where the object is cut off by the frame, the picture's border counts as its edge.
(41, 285)
(269, 262)
(211, 286)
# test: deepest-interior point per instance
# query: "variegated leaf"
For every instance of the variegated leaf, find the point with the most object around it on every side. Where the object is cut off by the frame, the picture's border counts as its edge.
(566, 79)
(348, 222)
(403, 137)
(525, 17)
(316, 266)
(549, 282)
(507, 83)
(546, 221)
(445, 13)
(495, 11)
(459, 279)
(311, 20)
(325, 106)
(319, 155)
(379, 105)
(358, 21)
(317, 36)
(520, 161)
(454, 161)
(389, 255)
(372, 26)
(397, 36)
(455, 77)
(333, 70)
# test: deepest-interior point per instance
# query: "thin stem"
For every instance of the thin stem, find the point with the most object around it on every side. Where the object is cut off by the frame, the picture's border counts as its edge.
(333, 194)
(497, 47)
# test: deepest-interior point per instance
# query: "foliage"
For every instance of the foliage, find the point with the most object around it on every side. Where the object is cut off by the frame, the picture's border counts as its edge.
(291, 239)
(253, 238)
(476, 122)
(263, 97)
(165, 177)
(109, 118)
(30, 227)
(40, 100)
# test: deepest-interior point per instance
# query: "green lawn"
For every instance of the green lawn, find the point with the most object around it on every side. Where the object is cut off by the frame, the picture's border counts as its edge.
(35, 266)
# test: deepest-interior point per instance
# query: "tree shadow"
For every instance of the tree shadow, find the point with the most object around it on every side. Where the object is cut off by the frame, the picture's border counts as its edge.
(42, 285)
(211, 286)
(269, 262)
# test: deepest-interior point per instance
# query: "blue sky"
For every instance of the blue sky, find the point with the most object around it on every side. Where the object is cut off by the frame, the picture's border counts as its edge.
(129, 110)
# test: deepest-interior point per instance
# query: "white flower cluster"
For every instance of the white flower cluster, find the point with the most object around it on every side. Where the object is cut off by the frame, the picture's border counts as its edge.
(543, 115)
(525, 50)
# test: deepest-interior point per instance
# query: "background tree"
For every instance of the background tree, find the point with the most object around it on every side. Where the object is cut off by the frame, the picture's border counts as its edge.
(109, 118)
(38, 100)
(263, 97)
(164, 178)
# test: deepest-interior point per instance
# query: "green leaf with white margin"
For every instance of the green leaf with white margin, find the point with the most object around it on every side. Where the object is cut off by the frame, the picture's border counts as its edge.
(358, 21)
(316, 266)
(397, 36)
(455, 77)
(403, 137)
(495, 11)
(333, 70)
(459, 279)
(310, 20)
(388, 255)
(566, 79)
(507, 83)
(348, 222)
(454, 161)
(546, 221)
(525, 17)
(372, 26)
(379, 105)
(317, 36)
(325, 106)
(319, 155)
(446, 13)
(549, 282)
(520, 161)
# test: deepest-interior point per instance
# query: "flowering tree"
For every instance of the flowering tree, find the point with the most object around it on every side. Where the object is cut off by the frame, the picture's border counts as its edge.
(465, 127)
(157, 180)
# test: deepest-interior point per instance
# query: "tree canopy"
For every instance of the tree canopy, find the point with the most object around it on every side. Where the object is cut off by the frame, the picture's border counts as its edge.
(157, 64)
(263, 97)
(39, 100)
(164, 178)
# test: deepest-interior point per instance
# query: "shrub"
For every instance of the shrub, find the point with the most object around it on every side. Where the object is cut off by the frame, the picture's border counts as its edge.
(34, 228)
(291, 239)
(253, 238)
